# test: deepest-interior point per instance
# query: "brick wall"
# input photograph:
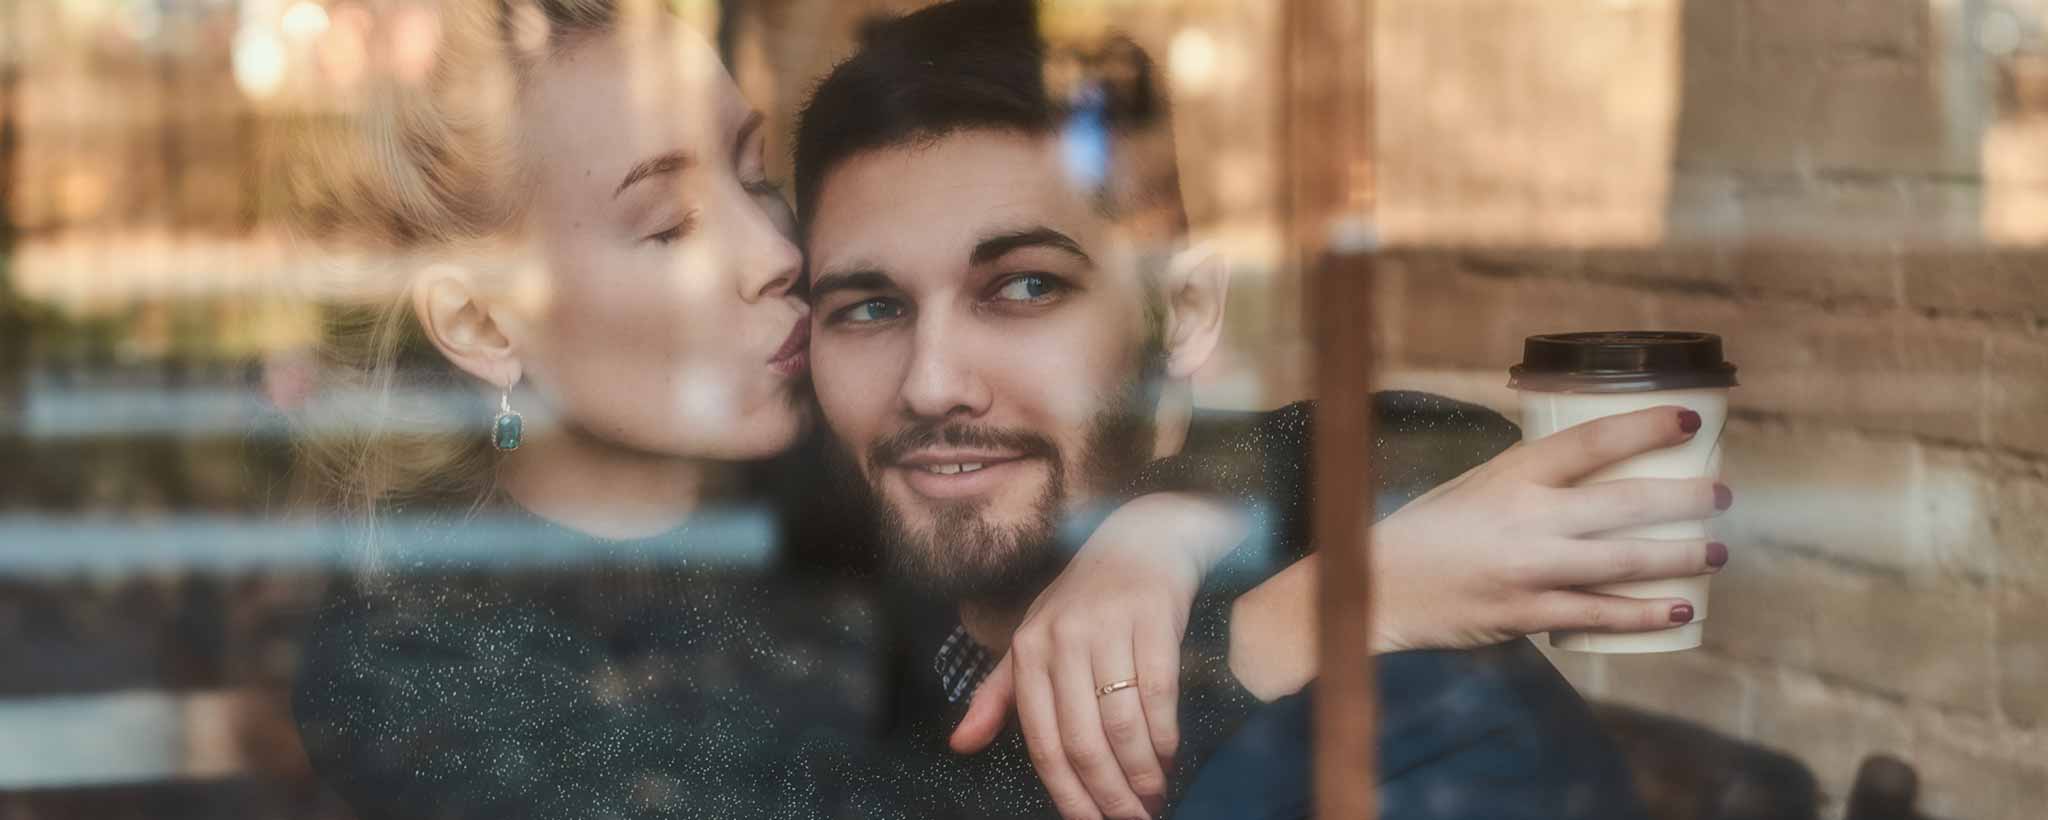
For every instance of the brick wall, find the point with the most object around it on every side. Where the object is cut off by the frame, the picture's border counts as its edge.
(1820, 196)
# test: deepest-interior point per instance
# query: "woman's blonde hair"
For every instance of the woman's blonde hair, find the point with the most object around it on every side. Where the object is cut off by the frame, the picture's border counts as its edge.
(422, 170)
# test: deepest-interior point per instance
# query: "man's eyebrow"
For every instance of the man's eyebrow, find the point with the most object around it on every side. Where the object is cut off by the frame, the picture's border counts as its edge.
(1000, 245)
(668, 163)
(868, 279)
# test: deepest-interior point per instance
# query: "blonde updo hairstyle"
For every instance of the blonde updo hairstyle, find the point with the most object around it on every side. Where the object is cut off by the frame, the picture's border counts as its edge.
(421, 170)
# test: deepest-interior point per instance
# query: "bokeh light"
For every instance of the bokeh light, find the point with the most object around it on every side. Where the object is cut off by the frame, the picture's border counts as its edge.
(415, 36)
(343, 53)
(259, 62)
(1191, 59)
(304, 21)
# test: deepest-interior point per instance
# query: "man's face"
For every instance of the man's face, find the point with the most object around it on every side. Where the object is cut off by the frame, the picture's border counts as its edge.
(979, 347)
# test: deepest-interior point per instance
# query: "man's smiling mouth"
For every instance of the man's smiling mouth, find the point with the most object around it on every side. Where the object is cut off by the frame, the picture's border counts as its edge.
(952, 469)
(954, 474)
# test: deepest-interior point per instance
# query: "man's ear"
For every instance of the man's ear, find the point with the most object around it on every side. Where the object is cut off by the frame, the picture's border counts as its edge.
(1196, 286)
(457, 318)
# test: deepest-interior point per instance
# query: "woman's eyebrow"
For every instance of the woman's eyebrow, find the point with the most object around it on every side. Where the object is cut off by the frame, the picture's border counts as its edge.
(669, 163)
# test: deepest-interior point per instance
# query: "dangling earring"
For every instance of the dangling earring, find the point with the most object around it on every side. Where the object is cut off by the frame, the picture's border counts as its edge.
(507, 427)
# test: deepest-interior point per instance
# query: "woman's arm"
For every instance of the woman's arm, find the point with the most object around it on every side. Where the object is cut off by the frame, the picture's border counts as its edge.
(1121, 611)
(1500, 553)
(1118, 613)
(1491, 550)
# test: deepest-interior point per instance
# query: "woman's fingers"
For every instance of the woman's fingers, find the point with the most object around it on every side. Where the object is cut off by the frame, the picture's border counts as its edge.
(1038, 717)
(1081, 732)
(1156, 645)
(986, 713)
(1579, 562)
(1593, 612)
(1634, 502)
(1569, 455)
(1124, 721)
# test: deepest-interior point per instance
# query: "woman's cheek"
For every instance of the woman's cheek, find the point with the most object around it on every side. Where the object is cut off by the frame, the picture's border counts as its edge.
(706, 398)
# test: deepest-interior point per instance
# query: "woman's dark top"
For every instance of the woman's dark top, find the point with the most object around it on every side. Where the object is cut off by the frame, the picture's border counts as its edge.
(637, 684)
(660, 679)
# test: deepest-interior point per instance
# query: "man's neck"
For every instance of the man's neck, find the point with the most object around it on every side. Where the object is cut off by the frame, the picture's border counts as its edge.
(597, 488)
(992, 623)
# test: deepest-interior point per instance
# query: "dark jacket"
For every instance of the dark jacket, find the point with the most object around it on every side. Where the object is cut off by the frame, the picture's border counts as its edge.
(1491, 734)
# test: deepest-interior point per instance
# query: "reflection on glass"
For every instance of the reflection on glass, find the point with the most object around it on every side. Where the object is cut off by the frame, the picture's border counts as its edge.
(667, 408)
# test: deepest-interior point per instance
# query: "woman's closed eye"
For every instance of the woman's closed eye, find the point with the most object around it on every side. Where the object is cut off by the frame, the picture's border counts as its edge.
(676, 232)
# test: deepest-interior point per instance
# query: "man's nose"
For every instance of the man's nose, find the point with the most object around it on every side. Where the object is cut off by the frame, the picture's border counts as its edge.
(942, 381)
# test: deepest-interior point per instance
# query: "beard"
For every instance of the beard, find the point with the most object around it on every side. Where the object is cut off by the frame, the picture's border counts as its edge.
(962, 555)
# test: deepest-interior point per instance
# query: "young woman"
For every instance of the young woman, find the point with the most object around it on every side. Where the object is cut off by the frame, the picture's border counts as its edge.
(564, 342)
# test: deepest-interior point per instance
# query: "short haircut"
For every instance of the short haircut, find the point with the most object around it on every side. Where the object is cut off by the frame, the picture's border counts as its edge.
(967, 65)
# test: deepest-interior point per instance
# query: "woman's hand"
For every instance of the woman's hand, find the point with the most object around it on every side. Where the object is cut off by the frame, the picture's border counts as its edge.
(1502, 552)
(1117, 613)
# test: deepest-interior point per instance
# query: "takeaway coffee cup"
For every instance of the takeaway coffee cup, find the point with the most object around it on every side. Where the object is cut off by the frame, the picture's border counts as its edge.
(1566, 379)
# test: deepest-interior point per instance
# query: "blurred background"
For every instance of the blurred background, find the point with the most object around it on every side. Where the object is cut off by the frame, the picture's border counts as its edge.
(1853, 192)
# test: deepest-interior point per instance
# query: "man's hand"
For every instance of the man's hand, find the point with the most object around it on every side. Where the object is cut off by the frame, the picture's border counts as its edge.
(1117, 613)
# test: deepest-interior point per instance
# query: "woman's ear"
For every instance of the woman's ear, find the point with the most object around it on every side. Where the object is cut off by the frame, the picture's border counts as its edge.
(1196, 285)
(459, 322)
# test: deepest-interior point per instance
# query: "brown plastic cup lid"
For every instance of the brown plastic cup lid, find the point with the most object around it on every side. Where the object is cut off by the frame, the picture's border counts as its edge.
(1628, 361)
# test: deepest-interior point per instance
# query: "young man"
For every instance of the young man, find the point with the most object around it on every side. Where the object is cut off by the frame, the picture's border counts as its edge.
(1006, 326)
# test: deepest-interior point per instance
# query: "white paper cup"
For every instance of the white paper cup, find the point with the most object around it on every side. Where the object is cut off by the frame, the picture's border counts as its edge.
(1569, 379)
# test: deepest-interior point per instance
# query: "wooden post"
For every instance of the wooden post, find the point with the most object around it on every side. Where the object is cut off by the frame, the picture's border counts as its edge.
(14, 335)
(1346, 694)
(10, 80)
(1328, 112)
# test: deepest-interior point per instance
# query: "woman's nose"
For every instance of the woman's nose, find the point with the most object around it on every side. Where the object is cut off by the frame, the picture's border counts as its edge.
(769, 262)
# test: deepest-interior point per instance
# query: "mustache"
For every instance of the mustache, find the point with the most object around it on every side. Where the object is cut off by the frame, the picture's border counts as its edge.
(903, 442)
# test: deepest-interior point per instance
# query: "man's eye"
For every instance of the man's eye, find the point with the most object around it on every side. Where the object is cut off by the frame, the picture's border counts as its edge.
(1028, 288)
(872, 310)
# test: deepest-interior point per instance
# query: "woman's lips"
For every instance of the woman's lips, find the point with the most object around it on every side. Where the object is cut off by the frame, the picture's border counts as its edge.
(795, 354)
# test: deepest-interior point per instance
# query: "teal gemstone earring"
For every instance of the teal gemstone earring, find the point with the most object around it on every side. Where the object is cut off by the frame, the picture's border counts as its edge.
(507, 427)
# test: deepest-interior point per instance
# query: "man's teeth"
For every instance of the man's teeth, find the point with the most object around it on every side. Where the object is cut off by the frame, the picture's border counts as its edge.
(952, 469)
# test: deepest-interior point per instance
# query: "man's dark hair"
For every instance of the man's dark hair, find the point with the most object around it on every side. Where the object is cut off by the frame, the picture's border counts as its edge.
(956, 66)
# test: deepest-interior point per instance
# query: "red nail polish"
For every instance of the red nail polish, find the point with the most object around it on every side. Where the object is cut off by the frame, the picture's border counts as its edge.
(1723, 497)
(1688, 422)
(1717, 554)
(1681, 614)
